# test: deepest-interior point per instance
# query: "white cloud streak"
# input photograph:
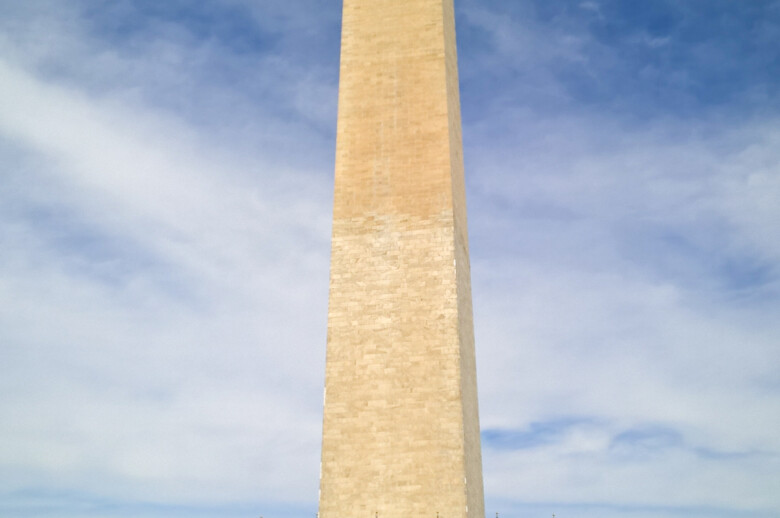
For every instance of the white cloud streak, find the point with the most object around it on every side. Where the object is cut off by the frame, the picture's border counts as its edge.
(151, 325)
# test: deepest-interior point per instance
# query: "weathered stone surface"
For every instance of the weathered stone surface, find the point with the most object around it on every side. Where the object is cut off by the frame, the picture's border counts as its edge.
(400, 429)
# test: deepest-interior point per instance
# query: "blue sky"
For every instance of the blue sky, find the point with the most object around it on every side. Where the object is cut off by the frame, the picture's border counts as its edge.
(165, 199)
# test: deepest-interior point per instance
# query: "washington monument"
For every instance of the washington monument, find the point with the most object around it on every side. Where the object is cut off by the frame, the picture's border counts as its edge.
(401, 424)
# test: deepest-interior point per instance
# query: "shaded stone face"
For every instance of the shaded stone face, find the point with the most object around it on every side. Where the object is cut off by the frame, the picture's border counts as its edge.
(400, 429)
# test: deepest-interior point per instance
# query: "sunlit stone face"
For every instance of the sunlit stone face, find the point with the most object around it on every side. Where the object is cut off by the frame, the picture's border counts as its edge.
(401, 430)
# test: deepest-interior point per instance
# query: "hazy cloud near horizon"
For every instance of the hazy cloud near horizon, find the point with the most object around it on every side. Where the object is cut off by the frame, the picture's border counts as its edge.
(165, 198)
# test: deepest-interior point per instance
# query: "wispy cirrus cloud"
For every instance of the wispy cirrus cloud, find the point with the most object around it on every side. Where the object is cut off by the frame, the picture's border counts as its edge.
(146, 251)
(625, 266)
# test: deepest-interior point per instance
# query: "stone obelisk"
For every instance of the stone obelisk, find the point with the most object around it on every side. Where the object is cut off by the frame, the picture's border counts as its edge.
(401, 426)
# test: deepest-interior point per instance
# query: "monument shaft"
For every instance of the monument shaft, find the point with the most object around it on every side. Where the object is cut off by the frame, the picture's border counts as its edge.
(401, 427)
